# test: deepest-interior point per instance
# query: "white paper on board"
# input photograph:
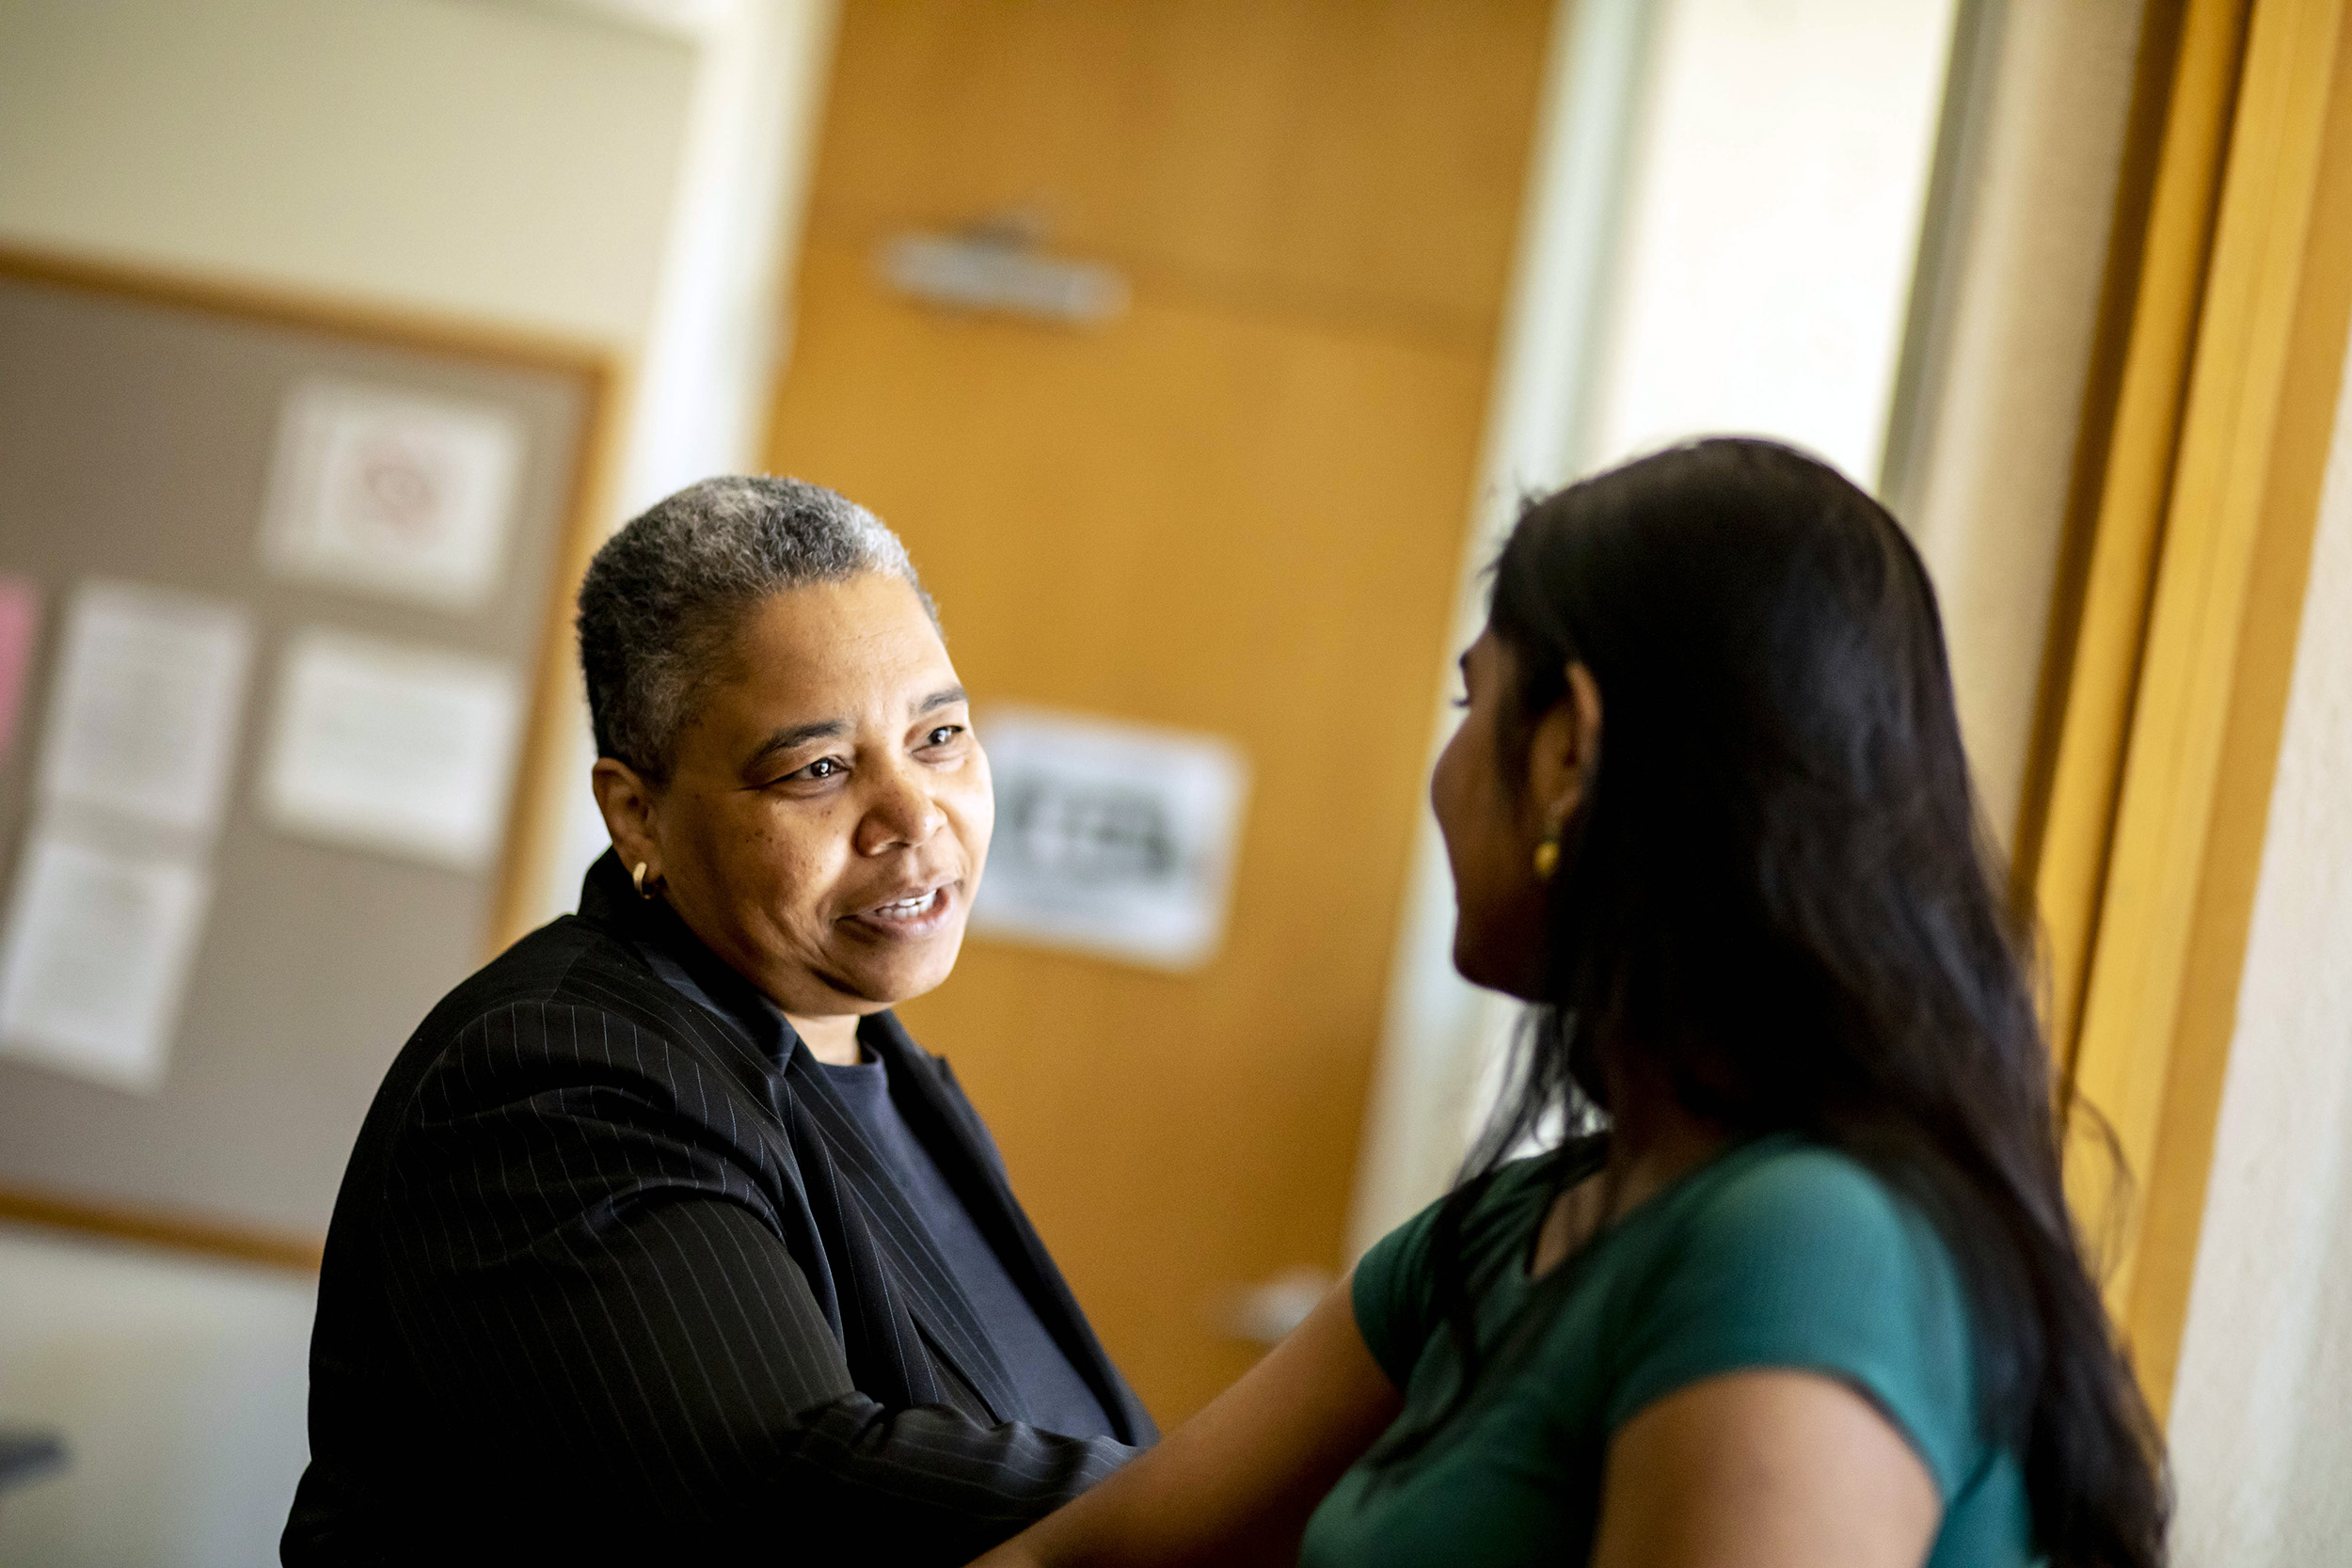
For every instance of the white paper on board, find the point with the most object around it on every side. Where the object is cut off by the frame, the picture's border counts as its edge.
(143, 718)
(391, 492)
(96, 958)
(1111, 838)
(388, 746)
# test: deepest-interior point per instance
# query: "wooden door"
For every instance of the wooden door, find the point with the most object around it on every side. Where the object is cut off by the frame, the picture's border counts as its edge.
(1236, 508)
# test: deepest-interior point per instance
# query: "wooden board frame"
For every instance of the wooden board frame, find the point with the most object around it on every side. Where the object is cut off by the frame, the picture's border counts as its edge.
(2175, 639)
(532, 819)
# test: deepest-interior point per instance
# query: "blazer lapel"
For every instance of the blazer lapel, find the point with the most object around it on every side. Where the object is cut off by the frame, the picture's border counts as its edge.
(934, 1105)
(933, 1296)
(840, 1168)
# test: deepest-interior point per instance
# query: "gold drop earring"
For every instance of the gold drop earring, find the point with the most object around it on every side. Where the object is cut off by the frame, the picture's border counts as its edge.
(1548, 855)
(1547, 850)
(637, 878)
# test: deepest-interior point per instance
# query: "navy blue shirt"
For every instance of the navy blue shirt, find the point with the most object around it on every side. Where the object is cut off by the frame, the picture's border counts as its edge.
(1060, 1400)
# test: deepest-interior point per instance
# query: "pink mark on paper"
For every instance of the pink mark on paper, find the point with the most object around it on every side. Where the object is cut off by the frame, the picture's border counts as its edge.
(20, 618)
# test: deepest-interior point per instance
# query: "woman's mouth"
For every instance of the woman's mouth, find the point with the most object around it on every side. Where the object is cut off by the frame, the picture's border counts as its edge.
(910, 908)
(917, 914)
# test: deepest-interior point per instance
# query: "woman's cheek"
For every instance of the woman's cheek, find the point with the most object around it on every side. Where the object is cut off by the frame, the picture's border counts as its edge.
(979, 821)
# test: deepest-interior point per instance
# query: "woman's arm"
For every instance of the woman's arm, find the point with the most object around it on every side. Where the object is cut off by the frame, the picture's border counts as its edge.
(1236, 1482)
(1764, 1470)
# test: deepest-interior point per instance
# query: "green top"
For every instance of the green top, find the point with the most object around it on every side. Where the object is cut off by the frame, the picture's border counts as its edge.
(1778, 1253)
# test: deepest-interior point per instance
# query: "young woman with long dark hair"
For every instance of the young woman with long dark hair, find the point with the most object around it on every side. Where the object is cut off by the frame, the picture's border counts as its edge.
(1798, 1285)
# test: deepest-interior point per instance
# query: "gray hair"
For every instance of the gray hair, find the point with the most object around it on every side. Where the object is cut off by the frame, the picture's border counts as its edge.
(666, 593)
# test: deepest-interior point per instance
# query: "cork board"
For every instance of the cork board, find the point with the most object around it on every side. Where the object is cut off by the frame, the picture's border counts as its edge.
(140, 420)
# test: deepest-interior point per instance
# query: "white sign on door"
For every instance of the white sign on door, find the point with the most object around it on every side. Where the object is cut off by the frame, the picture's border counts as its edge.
(1111, 838)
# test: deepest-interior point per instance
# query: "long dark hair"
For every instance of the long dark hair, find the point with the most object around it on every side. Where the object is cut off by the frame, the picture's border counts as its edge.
(1776, 897)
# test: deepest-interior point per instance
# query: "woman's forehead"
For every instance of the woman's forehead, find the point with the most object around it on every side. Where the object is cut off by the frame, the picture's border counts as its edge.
(856, 643)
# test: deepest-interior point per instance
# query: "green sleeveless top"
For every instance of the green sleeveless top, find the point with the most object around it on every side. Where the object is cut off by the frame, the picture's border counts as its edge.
(1777, 1253)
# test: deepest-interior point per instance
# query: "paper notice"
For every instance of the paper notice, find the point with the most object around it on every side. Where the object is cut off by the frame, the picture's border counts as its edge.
(143, 718)
(20, 620)
(392, 492)
(392, 748)
(96, 960)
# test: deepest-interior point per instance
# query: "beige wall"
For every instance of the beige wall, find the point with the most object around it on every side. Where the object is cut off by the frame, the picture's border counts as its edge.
(2007, 396)
(485, 160)
(2262, 1438)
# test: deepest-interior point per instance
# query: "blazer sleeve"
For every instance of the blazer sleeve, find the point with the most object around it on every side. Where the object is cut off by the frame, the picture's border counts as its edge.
(590, 1281)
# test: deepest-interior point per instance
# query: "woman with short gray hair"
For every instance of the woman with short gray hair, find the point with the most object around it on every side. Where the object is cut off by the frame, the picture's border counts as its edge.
(662, 1237)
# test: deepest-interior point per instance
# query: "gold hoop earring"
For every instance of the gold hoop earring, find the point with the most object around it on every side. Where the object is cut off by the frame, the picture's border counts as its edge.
(637, 880)
(1547, 856)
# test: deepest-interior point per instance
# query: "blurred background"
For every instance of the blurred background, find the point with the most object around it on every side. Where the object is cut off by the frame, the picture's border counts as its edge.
(1200, 350)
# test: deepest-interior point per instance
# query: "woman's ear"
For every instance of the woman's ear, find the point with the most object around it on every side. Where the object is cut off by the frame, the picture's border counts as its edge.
(1585, 692)
(1566, 741)
(629, 805)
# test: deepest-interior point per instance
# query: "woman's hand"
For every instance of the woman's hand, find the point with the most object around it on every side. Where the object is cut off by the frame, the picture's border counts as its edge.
(1236, 1482)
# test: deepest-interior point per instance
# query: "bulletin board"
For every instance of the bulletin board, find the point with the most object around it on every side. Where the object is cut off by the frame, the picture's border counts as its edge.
(166, 442)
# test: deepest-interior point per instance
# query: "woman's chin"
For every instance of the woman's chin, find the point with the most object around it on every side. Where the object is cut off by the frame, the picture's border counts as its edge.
(900, 968)
(1483, 966)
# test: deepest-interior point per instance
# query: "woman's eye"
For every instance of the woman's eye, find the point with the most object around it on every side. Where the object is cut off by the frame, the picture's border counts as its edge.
(942, 734)
(823, 767)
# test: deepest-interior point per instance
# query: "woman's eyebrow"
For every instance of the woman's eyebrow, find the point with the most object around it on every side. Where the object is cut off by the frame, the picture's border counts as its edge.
(946, 696)
(795, 735)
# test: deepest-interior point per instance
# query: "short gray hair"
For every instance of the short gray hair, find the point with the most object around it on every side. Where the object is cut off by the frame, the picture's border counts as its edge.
(666, 594)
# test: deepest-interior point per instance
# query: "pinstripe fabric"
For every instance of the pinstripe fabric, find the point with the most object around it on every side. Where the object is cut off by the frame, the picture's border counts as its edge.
(615, 1274)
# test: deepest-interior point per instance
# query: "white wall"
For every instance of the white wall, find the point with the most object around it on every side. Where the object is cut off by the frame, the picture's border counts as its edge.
(179, 1384)
(519, 164)
(2261, 1405)
(1776, 199)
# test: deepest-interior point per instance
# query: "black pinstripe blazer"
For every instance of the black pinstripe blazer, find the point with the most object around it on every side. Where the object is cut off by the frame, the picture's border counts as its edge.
(615, 1274)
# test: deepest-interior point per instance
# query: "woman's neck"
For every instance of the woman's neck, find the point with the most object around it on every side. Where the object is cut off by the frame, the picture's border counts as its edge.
(1652, 1142)
(1647, 1153)
(831, 1041)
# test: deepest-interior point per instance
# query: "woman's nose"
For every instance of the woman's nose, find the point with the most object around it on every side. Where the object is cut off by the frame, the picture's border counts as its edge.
(901, 813)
